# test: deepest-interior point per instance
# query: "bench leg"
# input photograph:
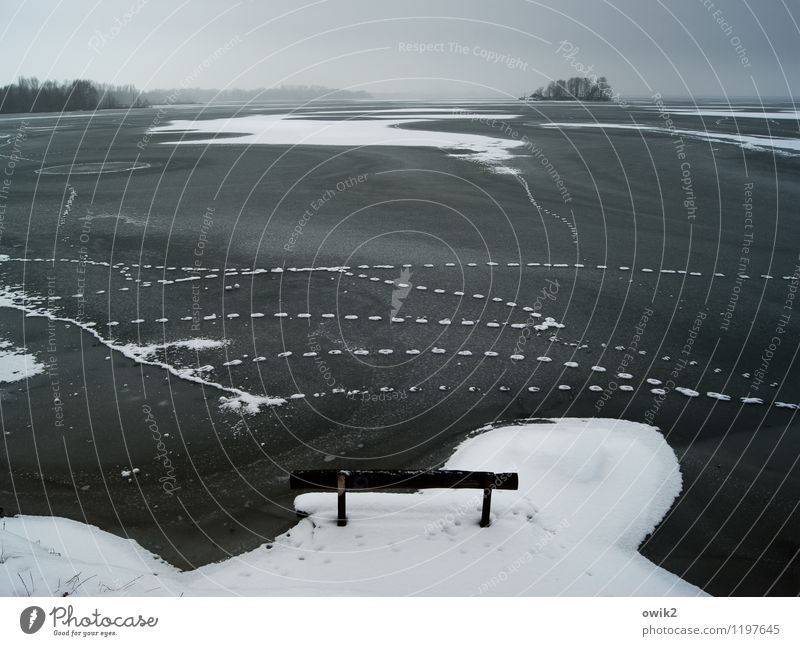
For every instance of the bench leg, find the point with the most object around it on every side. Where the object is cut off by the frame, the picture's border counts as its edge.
(340, 493)
(487, 507)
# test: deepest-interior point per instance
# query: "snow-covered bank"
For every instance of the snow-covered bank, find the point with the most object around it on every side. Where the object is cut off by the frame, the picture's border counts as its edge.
(590, 491)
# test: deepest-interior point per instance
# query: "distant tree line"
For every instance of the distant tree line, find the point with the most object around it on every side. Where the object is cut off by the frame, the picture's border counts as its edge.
(31, 95)
(576, 88)
(282, 93)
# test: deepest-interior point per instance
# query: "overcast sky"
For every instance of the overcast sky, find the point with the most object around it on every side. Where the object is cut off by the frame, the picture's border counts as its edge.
(490, 48)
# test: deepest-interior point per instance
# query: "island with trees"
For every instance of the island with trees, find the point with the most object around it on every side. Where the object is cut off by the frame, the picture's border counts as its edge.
(576, 88)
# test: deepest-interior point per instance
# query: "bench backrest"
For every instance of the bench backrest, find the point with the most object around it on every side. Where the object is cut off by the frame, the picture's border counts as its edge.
(327, 479)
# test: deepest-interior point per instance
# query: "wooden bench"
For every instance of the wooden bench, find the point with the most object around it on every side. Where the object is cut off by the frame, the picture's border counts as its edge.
(342, 481)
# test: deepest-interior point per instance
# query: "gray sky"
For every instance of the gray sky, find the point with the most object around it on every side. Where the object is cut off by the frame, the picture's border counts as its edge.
(676, 47)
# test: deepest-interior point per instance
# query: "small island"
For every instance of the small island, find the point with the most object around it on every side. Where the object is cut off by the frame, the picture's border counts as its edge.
(576, 88)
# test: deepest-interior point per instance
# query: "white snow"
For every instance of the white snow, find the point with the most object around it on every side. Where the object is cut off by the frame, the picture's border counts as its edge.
(751, 400)
(590, 492)
(298, 129)
(236, 399)
(196, 344)
(759, 113)
(750, 142)
(16, 364)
